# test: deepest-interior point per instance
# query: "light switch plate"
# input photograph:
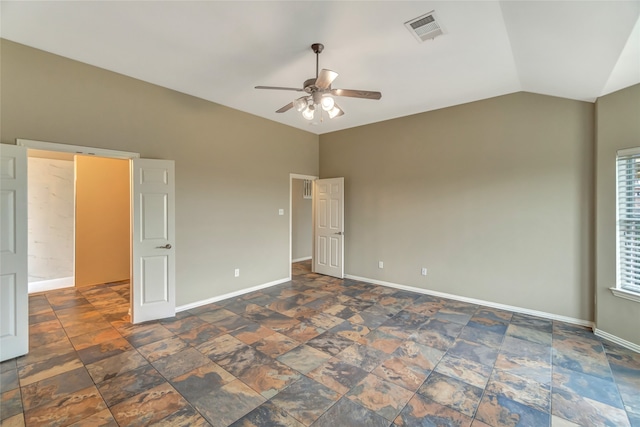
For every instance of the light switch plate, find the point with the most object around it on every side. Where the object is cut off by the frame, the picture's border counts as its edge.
(280, 211)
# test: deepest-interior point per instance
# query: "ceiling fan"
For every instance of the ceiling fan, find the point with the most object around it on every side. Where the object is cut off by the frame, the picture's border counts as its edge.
(319, 94)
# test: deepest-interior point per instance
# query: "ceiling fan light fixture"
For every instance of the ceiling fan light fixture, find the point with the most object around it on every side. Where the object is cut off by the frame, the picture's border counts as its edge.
(300, 103)
(308, 114)
(334, 112)
(327, 103)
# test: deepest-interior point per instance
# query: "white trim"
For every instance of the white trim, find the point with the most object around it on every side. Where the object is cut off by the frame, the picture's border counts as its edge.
(51, 284)
(623, 293)
(628, 152)
(230, 295)
(301, 259)
(614, 339)
(300, 176)
(76, 149)
(515, 309)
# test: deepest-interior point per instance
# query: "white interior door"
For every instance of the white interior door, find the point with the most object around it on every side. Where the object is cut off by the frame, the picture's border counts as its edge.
(328, 201)
(14, 302)
(153, 242)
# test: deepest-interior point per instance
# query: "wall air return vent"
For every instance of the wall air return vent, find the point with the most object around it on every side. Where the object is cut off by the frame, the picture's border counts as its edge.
(424, 27)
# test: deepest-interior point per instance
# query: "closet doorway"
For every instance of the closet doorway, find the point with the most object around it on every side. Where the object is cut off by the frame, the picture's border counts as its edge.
(301, 219)
(79, 209)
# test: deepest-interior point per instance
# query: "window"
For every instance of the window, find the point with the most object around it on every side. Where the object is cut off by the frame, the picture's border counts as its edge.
(628, 224)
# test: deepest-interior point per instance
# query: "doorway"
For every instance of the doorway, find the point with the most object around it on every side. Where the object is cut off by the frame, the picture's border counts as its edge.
(78, 220)
(300, 219)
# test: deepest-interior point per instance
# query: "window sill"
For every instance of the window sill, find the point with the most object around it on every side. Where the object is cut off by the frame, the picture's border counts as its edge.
(621, 293)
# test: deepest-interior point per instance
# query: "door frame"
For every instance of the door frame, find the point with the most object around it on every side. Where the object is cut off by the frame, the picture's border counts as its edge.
(293, 176)
(83, 150)
(76, 149)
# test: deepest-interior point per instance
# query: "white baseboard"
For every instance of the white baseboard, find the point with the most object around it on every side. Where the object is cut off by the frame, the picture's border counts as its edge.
(230, 295)
(301, 259)
(515, 309)
(51, 284)
(614, 339)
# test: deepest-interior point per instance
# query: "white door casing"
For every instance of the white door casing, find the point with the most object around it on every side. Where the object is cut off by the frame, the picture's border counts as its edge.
(14, 302)
(153, 241)
(328, 209)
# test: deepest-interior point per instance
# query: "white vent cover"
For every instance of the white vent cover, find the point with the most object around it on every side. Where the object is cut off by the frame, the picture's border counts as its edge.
(306, 191)
(424, 27)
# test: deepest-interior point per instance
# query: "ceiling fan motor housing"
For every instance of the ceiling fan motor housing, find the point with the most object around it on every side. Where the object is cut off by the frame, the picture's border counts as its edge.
(310, 85)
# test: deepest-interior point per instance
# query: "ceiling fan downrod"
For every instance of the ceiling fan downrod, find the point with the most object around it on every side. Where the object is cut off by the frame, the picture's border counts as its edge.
(317, 49)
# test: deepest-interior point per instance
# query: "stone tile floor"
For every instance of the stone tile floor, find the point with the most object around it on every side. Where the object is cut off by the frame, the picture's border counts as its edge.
(314, 351)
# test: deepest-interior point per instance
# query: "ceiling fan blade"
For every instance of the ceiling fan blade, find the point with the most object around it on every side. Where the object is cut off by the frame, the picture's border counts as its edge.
(287, 107)
(340, 113)
(353, 93)
(325, 78)
(279, 88)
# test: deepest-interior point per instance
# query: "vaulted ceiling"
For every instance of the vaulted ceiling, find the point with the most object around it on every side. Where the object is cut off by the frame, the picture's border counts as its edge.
(220, 50)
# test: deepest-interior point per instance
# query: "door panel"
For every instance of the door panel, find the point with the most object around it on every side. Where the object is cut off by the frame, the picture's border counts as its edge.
(14, 302)
(328, 199)
(8, 295)
(335, 252)
(321, 253)
(153, 278)
(8, 221)
(155, 226)
(335, 214)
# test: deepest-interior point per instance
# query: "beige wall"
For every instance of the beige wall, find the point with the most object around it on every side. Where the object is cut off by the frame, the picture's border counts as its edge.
(618, 126)
(103, 217)
(232, 168)
(493, 197)
(301, 222)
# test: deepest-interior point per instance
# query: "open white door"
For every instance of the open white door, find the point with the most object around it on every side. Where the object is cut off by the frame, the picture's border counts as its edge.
(14, 302)
(328, 210)
(153, 243)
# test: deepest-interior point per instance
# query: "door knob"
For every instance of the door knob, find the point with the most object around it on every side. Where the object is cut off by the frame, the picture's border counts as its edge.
(339, 233)
(167, 246)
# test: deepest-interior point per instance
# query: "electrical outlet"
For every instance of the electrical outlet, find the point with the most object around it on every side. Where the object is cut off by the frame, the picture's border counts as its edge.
(236, 273)
(424, 271)
(380, 264)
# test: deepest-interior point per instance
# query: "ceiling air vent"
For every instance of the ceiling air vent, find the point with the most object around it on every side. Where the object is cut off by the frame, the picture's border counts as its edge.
(424, 27)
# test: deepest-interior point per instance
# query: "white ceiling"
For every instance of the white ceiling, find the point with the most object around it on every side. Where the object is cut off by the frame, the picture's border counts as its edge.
(219, 51)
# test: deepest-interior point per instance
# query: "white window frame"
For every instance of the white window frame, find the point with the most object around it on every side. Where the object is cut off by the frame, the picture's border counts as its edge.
(631, 292)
